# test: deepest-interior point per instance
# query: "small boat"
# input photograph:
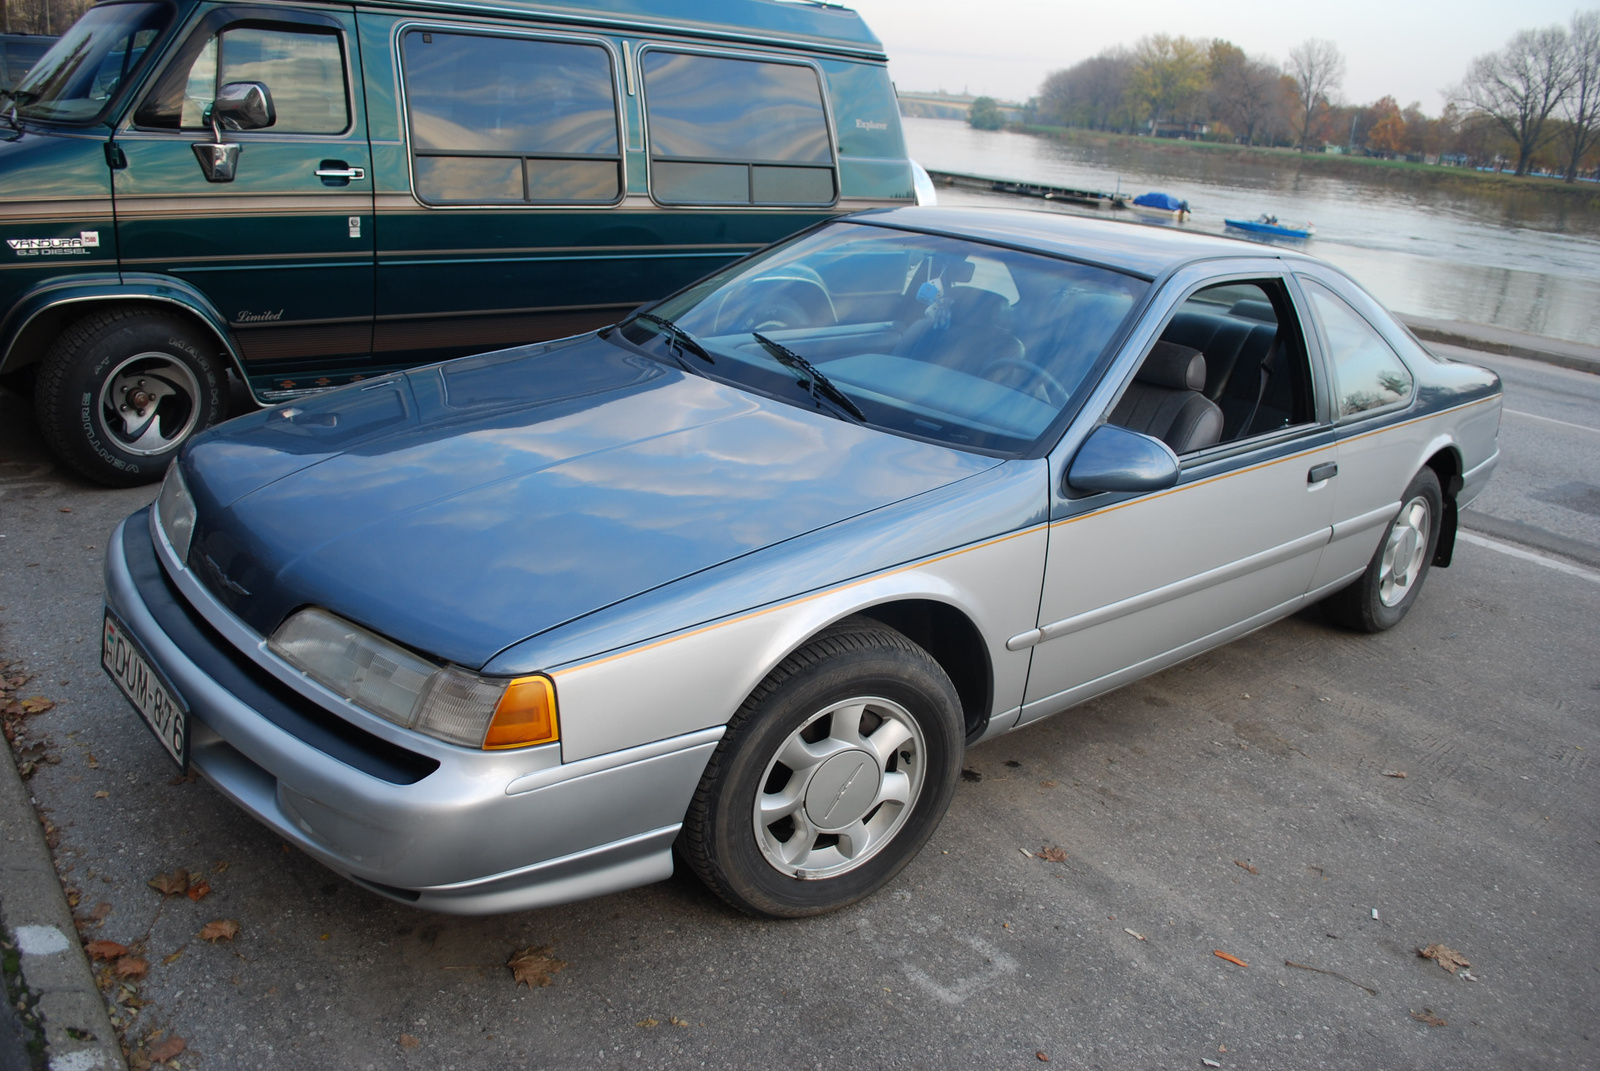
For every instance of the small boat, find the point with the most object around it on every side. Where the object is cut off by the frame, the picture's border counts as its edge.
(1160, 206)
(1265, 224)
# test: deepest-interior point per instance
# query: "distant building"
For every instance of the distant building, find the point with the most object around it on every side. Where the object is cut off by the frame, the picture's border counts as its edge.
(1185, 131)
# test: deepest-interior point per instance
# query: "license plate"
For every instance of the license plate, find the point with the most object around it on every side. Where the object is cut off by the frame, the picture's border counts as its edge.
(156, 703)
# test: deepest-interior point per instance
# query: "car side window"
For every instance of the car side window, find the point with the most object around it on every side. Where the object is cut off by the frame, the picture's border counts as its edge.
(303, 69)
(1367, 373)
(1230, 364)
(511, 120)
(736, 131)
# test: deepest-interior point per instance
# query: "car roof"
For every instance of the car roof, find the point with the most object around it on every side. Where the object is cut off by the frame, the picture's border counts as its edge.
(1136, 248)
(828, 27)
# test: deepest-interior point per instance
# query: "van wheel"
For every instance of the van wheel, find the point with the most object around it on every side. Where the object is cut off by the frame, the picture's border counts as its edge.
(831, 776)
(121, 390)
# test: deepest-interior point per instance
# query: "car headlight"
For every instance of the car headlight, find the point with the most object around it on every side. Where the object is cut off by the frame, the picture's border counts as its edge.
(175, 512)
(446, 702)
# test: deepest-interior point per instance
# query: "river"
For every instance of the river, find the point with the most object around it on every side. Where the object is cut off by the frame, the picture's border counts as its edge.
(1528, 264)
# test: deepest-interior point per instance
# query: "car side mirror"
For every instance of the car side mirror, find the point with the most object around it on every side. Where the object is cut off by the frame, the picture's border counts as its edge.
(1116, 459)
(239, 106)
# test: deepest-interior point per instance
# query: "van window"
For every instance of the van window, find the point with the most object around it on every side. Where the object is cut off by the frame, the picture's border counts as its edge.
(303, 69)
(736, 131)
(1366, 371)
(511, 120)
(81, 73)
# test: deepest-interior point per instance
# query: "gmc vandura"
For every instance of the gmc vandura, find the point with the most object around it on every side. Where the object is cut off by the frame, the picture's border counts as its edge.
(308, 194)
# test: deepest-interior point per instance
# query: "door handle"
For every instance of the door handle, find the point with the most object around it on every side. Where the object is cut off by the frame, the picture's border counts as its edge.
(340, 171)
(1325, 471)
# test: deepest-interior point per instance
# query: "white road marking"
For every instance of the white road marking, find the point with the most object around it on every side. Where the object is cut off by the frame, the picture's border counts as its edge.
(1553, 420)
(1529, 556)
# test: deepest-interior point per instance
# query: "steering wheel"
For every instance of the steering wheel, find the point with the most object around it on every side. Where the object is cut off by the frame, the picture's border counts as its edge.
(1054, 393)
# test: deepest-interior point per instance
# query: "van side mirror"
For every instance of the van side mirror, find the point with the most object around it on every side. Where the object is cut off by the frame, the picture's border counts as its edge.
(239, 106)
(242, 106)
(1116, 459)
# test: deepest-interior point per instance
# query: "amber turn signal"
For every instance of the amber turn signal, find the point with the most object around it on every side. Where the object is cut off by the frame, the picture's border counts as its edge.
(525, 715)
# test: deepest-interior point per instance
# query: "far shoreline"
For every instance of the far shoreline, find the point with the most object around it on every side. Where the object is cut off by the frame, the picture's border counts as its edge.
(1554, 192)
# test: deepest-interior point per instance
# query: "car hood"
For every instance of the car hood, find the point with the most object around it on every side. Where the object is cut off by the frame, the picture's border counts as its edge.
(462, 508)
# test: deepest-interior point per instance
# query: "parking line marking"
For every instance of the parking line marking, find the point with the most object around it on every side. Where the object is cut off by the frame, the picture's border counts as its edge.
(1553, 420)
(1530, 556)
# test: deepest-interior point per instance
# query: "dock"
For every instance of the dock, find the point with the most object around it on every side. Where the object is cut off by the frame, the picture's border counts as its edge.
(1042, 190)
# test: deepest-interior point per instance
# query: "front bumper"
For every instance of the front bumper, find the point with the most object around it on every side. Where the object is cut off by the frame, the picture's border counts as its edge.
(446, 828)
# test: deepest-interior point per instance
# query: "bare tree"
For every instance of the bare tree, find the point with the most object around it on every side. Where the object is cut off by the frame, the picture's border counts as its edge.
(1519, 86)
(1317, 68)
(1090, 93)
(1582, 105)
(1245, 92)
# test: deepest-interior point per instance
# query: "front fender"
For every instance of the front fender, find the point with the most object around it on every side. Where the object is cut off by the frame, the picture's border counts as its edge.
(39, 316)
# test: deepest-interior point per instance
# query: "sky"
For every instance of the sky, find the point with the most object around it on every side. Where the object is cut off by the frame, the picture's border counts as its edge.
(1409, 49)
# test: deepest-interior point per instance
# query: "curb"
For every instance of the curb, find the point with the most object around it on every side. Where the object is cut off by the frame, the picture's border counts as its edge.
(34, 911)
(1507, 343)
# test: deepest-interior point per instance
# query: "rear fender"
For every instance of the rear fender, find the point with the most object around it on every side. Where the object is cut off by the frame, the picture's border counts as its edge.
(38, 318)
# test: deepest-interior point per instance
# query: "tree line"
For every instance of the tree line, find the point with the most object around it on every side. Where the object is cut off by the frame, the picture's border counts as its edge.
(1533, 104)
(40, 16)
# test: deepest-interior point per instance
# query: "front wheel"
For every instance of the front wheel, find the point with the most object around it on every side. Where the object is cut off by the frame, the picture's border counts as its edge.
(831, 776)
(121, 390)
(1383, 594)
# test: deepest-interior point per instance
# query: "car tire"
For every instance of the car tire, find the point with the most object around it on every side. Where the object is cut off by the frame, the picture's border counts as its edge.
(830, 778)
(121, 390)
(1383, 594)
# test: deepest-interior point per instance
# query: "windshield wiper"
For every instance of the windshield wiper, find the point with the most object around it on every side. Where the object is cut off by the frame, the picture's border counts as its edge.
(678, 336)
(817, 385)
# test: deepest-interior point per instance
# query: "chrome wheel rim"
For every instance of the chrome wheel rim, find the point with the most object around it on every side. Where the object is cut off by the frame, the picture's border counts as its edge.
(1403, 552)
(149, 403)
(840, 788)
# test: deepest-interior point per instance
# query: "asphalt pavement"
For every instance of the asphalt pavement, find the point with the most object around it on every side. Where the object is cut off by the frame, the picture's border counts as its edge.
(1248, 802)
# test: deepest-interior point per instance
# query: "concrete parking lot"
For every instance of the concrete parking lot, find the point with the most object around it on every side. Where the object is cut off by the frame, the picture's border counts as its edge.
(1250, 801)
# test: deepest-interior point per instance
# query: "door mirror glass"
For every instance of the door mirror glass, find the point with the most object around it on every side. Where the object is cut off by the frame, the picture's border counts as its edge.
(1116, 459)
(242, 106)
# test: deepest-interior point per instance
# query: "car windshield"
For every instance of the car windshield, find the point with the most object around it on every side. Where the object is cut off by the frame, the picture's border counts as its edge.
(77, 78)
(940, 338)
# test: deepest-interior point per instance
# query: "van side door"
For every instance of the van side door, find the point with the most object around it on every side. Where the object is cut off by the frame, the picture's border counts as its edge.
(283, 250)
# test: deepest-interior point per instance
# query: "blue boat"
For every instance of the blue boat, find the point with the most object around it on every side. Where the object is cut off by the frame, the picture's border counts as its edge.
(1161, 205)
(1265, 224)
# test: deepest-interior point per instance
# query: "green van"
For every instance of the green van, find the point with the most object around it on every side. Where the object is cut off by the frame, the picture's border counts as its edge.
(309, 194)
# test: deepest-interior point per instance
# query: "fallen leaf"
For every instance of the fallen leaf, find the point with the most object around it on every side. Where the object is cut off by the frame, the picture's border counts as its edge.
(105, 949)
(1053, 854)
(199, 889)
(1401, 774)
(168, 1049)
(37, 704)
(1131, 933)
(1426, 1016)
(409, 1042)
(219, 868)
(102, 795)
(1245, 866)
(325, 936)
(101, 910)
(1448, 958)
(648, 1024)
(1231, 959)
(173, 884)
(131, 967)
(534, 965)
(1041, 1057)
(1048, 784)
(94, 763)
(170, 960)
(220, 930)
(675, 1021)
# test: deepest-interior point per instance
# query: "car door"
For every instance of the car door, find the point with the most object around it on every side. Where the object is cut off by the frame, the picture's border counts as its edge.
(284, 251)
(1134, 582)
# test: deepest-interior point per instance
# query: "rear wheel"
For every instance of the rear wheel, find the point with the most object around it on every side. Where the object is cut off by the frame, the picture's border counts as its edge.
(831, 776)
(121, 390)
(1383, 594)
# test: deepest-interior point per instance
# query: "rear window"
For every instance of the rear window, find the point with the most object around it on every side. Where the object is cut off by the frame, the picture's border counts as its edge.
(736, 131)
(511, 120)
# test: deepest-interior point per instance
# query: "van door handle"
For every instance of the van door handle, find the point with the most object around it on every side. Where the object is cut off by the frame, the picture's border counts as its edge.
(1325, 471)
(336, 169)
